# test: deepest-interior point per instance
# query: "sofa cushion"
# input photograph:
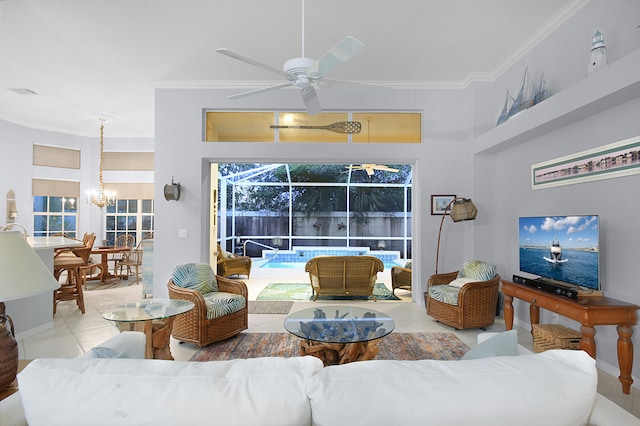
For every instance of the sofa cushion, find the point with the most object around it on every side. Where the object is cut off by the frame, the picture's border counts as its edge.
(501, 344)
(551, 388)
(195, 276)
(445, 294)
(477, 270)
(81, 391)
(220, 303)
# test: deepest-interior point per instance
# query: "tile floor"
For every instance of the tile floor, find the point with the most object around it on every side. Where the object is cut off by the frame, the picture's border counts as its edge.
(74, 333)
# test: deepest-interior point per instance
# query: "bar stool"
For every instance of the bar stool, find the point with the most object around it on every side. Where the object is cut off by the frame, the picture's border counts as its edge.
(71, 289)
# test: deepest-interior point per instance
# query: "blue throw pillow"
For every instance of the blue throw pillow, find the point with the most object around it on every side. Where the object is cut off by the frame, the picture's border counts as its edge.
(195, 276)
(502, 344)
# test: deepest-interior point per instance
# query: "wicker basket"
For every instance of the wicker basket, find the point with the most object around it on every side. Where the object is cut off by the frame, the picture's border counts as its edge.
(554, 336)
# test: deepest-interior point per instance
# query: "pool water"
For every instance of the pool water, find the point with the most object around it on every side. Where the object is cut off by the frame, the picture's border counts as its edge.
(287, 265)
(271, 264)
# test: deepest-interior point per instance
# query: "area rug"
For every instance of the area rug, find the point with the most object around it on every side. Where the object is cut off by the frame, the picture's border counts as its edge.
(269, 306)
(403, 346)
(302, 291)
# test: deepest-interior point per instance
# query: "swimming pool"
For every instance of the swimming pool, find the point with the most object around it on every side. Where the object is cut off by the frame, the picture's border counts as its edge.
(299, 256)
(285, 265)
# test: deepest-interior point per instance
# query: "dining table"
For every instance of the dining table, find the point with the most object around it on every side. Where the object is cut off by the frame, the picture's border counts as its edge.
(104, 252)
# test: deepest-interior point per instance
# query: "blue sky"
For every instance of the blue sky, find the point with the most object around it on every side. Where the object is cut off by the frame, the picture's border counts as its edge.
(571, 231)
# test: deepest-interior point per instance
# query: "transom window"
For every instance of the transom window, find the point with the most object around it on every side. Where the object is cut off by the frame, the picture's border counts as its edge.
(299, 127)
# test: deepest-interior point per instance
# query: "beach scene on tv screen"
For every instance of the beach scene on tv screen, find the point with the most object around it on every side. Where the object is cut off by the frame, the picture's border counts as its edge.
(562, 248)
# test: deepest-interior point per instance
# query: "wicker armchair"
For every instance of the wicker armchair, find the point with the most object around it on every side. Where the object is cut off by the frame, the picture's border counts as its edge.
(195, 327)
(400, 278)
(229, 264)
(343, 275)
(476, 306)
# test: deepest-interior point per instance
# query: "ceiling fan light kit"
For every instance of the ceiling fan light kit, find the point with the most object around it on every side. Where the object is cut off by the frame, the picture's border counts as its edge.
(303, 72)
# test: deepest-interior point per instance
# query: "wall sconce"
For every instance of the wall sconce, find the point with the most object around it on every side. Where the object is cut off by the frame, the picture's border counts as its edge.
(12, 211)
(172, 191)
(382, 245)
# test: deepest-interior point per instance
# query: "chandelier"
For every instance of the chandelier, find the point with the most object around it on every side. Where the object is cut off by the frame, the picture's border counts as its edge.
(101, 198)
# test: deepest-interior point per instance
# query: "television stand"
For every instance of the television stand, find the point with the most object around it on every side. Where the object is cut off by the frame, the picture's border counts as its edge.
(588, 311)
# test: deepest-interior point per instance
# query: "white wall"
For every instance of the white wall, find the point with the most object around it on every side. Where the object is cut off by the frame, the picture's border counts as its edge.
(181, 153)
(17, 171)
(588, 112)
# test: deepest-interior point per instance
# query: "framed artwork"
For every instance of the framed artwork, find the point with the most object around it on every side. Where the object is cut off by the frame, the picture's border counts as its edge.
(605, 162)
(439, 203)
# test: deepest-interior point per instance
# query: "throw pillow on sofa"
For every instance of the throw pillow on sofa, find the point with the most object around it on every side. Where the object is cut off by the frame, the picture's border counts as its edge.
(502, 344)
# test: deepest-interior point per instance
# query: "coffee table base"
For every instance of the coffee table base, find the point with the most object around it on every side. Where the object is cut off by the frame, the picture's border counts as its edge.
(340, 353)
(158, 334)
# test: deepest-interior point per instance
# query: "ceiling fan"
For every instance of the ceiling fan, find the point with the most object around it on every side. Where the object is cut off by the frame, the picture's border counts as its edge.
(303, 72)
(371, 168)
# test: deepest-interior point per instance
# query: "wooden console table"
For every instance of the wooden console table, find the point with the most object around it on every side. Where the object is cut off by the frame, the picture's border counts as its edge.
(588, 311)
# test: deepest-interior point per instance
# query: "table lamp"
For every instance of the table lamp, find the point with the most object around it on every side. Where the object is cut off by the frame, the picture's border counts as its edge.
(22, 274)
(461, 209)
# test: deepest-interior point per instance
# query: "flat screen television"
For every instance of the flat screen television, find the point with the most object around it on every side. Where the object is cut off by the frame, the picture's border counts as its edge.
(561, 248)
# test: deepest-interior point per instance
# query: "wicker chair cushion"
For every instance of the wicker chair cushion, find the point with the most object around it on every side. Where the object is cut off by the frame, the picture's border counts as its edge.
(445, 294)
(195, 276)
(220, 303)
(477, 270)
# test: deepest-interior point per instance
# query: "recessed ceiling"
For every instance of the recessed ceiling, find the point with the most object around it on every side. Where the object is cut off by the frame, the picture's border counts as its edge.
(82, 57)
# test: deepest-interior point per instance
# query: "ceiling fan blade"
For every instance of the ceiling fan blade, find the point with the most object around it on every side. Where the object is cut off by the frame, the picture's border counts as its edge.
(340, 53)
(388, 169)
(255, 63)
(311, 101)
(262, 90)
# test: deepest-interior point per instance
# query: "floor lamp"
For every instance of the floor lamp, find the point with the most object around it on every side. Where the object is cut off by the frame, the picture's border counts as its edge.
(22, 274)
(461, 209)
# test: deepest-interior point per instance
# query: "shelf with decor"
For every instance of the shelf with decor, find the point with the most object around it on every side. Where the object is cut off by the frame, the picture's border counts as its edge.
(617, 83)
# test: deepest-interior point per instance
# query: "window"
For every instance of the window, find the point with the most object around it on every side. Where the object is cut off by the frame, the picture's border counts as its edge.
(133, 217)
(402, 127)
(55, 215)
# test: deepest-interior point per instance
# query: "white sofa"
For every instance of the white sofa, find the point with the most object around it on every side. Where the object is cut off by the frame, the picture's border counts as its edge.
(552, 388)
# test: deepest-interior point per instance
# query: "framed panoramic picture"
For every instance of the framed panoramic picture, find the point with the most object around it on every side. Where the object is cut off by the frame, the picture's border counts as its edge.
(605, 162)
(440, 202)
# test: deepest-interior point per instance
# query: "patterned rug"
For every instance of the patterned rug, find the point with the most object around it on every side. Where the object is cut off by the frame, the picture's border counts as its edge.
(403, 346)
(302, 291)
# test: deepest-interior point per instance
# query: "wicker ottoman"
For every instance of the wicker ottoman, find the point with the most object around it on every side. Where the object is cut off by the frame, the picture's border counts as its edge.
(554, 336)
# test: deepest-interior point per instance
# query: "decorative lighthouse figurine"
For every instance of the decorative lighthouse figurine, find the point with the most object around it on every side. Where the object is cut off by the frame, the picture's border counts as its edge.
(598, 53)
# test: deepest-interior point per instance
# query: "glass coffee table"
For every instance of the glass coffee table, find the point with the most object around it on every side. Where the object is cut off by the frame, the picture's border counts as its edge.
(154, 318)
(339, 334)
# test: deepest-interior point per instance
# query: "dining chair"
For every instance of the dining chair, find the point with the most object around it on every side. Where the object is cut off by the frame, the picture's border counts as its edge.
(131, 259)
(122, 241)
